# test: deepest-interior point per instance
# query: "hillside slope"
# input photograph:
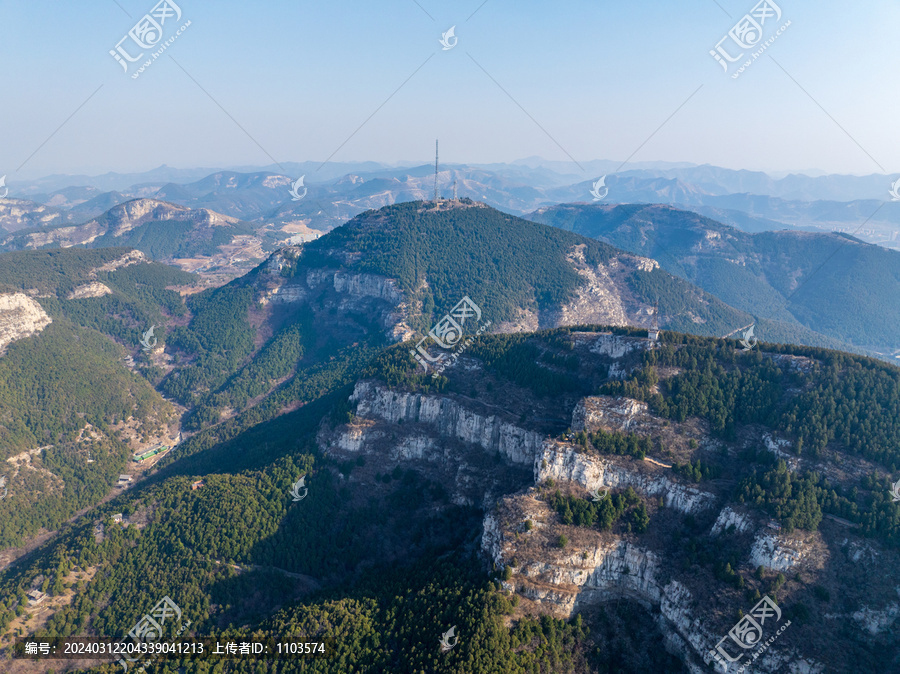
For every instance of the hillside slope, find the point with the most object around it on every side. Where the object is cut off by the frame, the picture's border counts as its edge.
(829, 284)
(564, 500)
(74, 404)
(161, 230)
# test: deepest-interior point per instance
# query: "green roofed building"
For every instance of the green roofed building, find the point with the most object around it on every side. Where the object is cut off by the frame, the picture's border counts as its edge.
(153, 451)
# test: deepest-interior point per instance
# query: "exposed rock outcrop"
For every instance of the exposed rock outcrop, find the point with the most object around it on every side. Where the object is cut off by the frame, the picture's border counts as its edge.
(731, 518)
(563, 462)
(776, 552)
(121, 219)
(128, 259)
(619, 414)
(93, 289)
(20, 317)
(594, 568)
(449, 419)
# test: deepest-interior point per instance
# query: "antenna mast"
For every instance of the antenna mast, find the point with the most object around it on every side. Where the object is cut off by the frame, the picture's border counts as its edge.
(455, 193)
(436, 198)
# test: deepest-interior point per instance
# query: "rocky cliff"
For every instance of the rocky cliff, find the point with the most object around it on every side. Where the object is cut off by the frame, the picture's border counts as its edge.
(20, 317)
(449, 438)
(561, 462)
(449, 419)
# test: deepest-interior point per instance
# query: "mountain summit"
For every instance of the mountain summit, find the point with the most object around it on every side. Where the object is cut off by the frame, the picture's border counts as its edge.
(431, 256)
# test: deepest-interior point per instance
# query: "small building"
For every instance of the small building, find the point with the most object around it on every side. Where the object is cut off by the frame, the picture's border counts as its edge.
(197, 484)
(117, 518)
(35, 597)
(774, 525)
(653, 334)
(153, 451)
(125, 479)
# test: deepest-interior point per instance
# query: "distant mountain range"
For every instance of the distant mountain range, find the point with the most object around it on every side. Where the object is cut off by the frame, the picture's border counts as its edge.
(749, 200)
(832, 284)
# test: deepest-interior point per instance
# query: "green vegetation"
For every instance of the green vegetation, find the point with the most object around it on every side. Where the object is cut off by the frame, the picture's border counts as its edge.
(624, 444)
(218, 340)
(519, 359)
(276, 360)
(793, 500)
(801, 500)
(139, 296)
(64, 389)
(603, 514)
(56, 383)
(849, 302)
(163, 239)
(457, 252)
(697, 470)
(52, 271)
(850, 401)
(377, 557)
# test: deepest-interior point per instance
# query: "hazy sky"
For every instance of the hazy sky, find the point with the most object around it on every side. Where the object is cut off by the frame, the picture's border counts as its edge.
(300, 77)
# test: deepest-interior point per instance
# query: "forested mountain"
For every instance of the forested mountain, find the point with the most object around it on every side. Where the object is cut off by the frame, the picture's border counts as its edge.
(510, 498)
(567, 496)
(71, 411)
(830, 284)
(388, 274)
(161, 230)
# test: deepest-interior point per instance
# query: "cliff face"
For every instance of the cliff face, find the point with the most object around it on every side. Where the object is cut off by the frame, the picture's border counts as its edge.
(563, 463)
(594, 567)
(476, 457)
(335, 291)
(94, 289)
(493, 463)
(602, 298)
(16, 214)
(20, 317)
(449, 419)
(689, 547)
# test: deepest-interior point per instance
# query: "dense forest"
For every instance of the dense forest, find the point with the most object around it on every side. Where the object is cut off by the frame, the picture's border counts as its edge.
(380, 559)
(456, 251)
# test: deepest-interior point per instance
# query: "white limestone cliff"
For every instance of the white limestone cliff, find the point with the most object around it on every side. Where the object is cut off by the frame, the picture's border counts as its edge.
(562, 462)
(20, 317)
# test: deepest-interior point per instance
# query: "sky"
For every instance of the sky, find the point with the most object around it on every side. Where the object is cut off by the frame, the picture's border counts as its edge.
(354, 80)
